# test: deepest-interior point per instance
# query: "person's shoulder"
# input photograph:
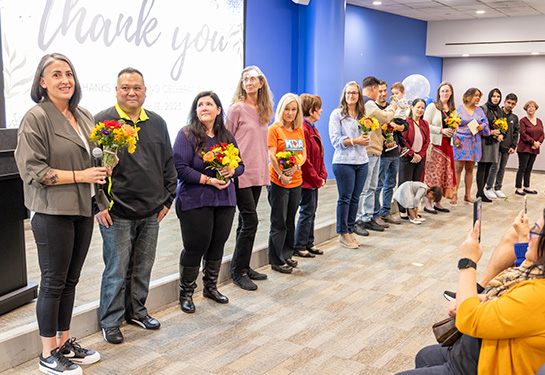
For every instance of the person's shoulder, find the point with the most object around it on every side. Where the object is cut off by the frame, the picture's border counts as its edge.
(107, 114)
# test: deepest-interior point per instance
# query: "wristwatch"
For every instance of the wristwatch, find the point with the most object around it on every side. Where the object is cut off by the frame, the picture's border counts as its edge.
(466, 263)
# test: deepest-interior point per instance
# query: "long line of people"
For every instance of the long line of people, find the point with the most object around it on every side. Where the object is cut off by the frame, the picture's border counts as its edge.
(63, 189)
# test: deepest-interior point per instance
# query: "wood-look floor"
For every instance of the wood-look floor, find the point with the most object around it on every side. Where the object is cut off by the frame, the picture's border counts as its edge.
(364, 311)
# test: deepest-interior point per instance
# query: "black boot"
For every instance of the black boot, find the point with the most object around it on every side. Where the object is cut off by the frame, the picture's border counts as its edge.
(210, 275)
(188, 276)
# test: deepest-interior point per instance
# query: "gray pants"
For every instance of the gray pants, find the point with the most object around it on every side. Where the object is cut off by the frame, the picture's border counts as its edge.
(497, 171)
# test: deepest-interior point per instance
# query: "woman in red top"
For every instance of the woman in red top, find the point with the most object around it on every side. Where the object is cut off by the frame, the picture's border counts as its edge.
(417, 138)
(314, 177)
(531, 137)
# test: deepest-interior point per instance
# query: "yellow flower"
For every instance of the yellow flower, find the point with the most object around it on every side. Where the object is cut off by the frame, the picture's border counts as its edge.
(233, 164)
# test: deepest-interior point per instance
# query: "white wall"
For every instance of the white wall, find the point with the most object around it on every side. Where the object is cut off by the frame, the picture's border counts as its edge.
(522, 75)
(486, 37)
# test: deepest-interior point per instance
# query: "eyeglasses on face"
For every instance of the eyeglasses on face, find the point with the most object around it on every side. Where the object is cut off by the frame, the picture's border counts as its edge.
(533, 232)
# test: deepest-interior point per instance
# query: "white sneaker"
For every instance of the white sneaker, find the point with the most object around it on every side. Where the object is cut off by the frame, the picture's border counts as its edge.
(499, 194)
(490, 194)
(415, 221)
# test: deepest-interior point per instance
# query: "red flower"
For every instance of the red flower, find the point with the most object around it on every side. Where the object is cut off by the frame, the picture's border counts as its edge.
(292, 159)
(224, 145)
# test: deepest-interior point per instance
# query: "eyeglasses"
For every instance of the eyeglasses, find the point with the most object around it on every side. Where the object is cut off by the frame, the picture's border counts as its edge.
(533, 232)
(348, 93)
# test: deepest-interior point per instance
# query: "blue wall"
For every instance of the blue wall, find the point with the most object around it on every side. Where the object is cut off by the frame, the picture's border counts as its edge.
(387, 46)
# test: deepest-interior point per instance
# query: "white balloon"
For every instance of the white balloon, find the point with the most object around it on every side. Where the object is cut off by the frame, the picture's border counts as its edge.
(416, 86)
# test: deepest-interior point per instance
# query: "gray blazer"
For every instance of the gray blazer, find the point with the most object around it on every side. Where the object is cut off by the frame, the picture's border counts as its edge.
(46, 140)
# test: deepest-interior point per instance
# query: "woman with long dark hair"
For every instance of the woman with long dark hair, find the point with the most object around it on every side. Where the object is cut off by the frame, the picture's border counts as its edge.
(205, 204)
(491, 143)
(439, 168)
(248, 117)
(417, 138)
(54, 160)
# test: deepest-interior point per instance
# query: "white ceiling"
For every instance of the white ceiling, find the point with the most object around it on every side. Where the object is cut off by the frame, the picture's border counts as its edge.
(439, 10)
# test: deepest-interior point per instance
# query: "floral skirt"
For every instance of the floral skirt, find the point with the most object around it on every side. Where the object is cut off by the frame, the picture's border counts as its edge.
(439, 169)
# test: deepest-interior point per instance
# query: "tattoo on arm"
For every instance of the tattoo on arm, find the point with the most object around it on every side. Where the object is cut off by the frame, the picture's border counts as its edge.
(50, 178)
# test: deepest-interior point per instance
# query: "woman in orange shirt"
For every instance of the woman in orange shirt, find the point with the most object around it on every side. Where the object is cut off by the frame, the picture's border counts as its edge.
(286, 134)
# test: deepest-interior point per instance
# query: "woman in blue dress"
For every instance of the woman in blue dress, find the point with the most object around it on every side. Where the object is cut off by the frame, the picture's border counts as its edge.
(467, 146)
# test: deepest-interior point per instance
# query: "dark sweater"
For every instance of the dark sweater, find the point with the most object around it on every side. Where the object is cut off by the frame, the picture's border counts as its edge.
(144, 181)
(511, 136)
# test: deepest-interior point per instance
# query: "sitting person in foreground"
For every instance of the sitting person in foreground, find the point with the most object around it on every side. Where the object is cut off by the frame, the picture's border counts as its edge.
(501, 335)
(408, 196)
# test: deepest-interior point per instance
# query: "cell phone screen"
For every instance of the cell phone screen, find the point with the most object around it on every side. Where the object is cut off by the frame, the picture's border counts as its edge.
(477, 213)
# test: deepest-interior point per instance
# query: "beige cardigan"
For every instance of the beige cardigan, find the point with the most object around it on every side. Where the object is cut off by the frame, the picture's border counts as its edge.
(46, 140)
(433, 116)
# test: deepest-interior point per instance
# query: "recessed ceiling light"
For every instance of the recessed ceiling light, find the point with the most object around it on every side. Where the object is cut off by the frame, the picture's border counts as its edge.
(377, 2)
(480, 12)
(465, 55)
(535, 53)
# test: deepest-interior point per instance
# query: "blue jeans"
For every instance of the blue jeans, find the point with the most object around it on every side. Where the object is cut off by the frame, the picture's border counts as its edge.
(350, 181)
(129, 252)
(304, 233)
(366, 206)
(387, 180)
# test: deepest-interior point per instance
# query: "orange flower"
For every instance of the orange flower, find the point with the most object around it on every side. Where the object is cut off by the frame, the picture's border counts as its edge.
(208, 157)
(368, 122)
(384, 126)
(129, 130)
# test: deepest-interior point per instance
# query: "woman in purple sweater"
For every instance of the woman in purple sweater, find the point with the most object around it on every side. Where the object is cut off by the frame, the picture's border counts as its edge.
(248, 117)
(205, 205)
(531, 138)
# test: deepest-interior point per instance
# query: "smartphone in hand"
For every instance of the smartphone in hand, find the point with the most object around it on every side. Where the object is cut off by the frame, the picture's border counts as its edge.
(477, 214)
(525, 204)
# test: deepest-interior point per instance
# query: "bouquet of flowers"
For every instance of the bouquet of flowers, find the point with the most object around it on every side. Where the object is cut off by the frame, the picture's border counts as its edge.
(288, 159)
(368, 124)
(500, 124)
(114, 136)
(220, 156)
(453, 120)
(388, 130)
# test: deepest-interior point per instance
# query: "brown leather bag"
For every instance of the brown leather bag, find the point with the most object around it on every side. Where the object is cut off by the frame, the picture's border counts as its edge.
(446, 332)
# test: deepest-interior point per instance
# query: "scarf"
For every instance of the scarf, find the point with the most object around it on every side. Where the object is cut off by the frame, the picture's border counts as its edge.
(511, 277)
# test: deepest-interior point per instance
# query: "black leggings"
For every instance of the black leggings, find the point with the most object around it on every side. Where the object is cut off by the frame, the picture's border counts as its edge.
(204, 232)
(483, 170)
(62, 243)
(526, 164)
(247, 199)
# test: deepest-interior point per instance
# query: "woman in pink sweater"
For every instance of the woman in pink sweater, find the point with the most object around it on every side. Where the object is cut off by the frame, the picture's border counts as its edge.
(250, 113)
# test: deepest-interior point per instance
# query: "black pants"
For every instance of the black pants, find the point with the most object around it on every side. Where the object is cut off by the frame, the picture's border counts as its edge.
(409, 172)
(526, 163)
(204, 232)
(62, 242)
(247, 199)
(284, 203)
(483, 170)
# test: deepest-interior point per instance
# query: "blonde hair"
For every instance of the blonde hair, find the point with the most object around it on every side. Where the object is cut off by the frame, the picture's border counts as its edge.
(264, 95)
(284, 101)
(528, 103)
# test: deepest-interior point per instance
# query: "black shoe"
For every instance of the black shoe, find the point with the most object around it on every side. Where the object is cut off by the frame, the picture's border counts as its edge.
(292, 263)
(74, 352)
(373, 225)
(529, 191)
(441, 209)
(484, 198)
(57, 363)
(244, 281)
(430, 211)
(210, 273)
(404, 217)
(112, 335)
(308, 254)
(520, 193)
(254, 275)
(284, 268)
(146, 322)
(360, 230)
(449, 295)
(318, 251)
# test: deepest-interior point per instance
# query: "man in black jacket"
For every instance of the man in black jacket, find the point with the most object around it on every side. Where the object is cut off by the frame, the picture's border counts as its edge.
(141, 191)
(507, 147)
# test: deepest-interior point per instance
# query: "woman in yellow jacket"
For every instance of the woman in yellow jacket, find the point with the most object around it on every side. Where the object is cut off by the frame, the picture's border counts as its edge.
(504, 335)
